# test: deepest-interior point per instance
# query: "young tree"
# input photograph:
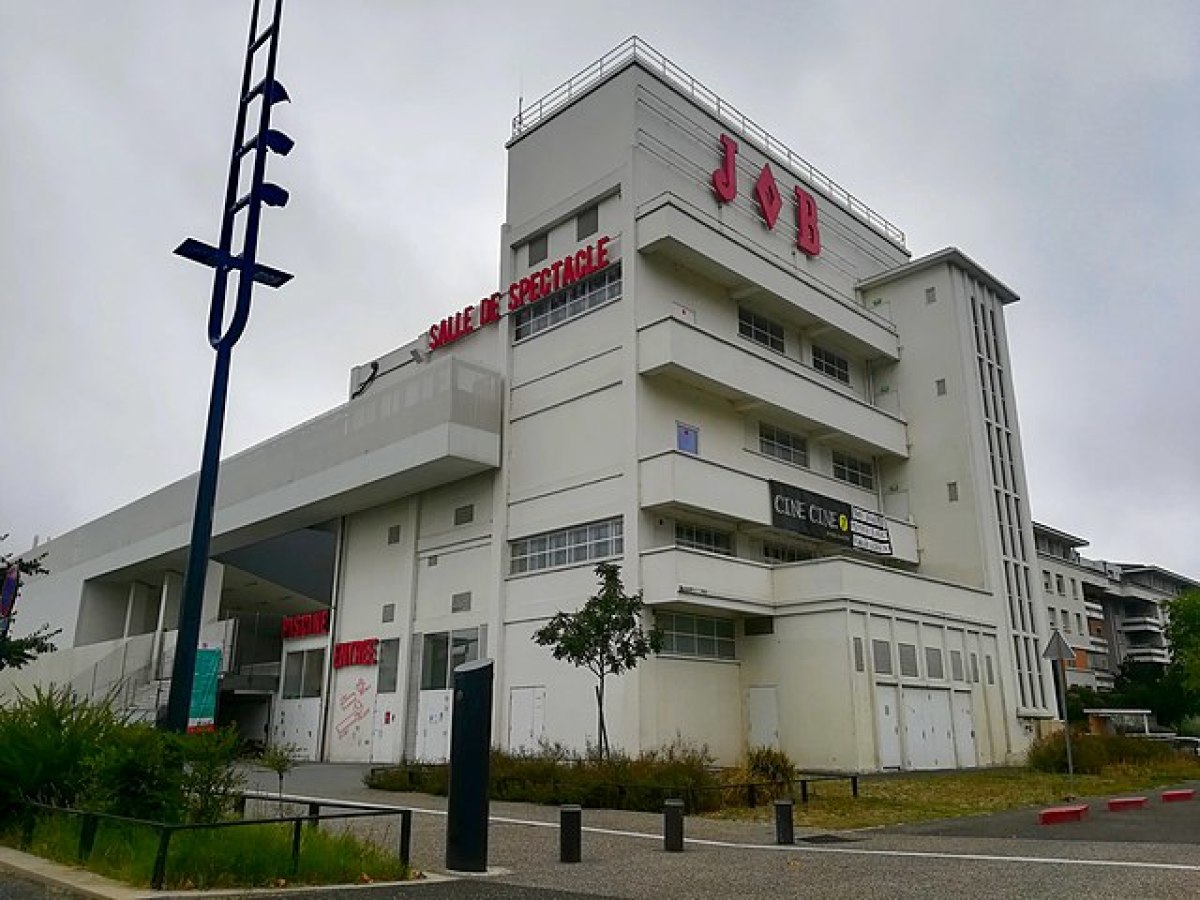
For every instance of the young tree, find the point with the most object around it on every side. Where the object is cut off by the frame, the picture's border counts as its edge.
(605, 637)
(1183, 634)
(18, 652)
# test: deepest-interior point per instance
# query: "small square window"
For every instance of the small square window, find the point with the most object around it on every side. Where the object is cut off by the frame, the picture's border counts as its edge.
(952, 491)
(755, 626)
(587, 222)
(881, 657)
(934, 666)
(908, 660)
(940, 386)
(930, 295)
(464, 515)
(432, 561)
(539, 249)
(389, 613)
(687, 438)
(956, 665)
(393, 534)
(461, 602)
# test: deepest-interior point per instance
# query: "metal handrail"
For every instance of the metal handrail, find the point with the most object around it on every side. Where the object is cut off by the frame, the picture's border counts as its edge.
(634, 49)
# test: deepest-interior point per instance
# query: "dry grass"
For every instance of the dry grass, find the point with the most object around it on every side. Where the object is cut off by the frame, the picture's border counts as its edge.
(897, 799)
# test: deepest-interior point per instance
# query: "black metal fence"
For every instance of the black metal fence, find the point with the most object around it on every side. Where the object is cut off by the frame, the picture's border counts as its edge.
(91, 822)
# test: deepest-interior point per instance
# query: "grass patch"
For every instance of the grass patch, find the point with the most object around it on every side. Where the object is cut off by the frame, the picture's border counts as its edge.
(250, 856)
(900, 799)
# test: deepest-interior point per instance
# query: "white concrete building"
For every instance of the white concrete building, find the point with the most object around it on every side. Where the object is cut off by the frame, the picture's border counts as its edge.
(703, 360)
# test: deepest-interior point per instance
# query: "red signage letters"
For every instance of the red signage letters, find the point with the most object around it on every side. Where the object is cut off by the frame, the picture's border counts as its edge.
(766, 192)
(306, 625)
(355, 653)
(542, 283)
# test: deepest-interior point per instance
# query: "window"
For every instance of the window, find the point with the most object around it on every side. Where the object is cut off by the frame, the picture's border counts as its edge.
(464, 515)
(1074, 588)
(974, 669)
(1058, 584)
(956, 666)
(1066, 622)
(991, 675)
(1079, 623)
(761, 330)
(1053, 617)
(389, 665)
(784, 553)
(461, 602)
(587, 222)
(443, 653)
(881, 657)
(785, 445)
(568, 303)
(538, 248)
(940, 387)
(853, 470)
(696, 635)
(1046, 580)
(302, 673)
(859, 663)
(687, 438)
(389, 613)
(930, 295)
(754, 626)
(952, 491)
(829, 363)
(432, 561)
(934, 665)
(696, 537)
(908, 660)
(393, 536)
(568, 546)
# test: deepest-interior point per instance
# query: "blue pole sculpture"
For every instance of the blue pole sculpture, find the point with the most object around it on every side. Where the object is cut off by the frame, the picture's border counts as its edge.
(222, 260)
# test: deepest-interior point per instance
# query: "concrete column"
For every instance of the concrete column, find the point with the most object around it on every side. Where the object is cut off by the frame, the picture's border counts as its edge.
(168, 617)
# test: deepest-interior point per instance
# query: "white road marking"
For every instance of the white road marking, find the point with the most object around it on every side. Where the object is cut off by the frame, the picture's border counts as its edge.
(792, 848)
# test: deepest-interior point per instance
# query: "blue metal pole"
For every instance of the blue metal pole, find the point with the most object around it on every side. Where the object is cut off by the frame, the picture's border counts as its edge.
(192, 602)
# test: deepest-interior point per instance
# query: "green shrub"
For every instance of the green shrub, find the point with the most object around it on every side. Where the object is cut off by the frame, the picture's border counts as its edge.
(554, 775)
(137, 773)
(210, 774)
(1189, 726)
(1092, 753)
(46, 742)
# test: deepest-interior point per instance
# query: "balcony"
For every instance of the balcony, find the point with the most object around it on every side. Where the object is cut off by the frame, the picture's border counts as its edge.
(673, 481)
(1143, 624)
(1159, 655)
(1098, 643)
(676, 575)
(1094, 610)
(738, 372)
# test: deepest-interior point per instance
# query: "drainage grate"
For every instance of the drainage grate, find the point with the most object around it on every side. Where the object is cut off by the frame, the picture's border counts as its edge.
(828, 839)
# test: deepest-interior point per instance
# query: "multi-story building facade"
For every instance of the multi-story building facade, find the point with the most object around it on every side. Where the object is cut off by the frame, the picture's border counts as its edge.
(1108, 612)
(704, 361)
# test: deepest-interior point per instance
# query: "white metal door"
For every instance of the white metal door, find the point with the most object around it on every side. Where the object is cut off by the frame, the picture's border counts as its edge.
(386, 735)
(433, 726)
(928, 732)
(763, 711)
(964, 731)
(526, 718)
(887, 726)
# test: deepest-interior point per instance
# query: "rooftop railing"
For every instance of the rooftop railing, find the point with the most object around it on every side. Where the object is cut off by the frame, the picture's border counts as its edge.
(634, 49)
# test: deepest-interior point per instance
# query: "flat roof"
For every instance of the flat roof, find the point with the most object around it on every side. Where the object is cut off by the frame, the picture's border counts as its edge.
(1069, 539)
(948, 256)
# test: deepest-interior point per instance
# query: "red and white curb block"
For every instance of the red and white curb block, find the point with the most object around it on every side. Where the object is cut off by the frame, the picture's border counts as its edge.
(1117, 804)
(1176, 796)
(1056, 814)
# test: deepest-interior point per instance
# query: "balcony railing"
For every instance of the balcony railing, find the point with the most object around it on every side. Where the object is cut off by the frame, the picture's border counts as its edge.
(636, 50)
(1142, 623)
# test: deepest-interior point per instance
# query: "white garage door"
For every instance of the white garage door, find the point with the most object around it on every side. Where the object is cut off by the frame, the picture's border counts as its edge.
(928, 732)
(964, 731)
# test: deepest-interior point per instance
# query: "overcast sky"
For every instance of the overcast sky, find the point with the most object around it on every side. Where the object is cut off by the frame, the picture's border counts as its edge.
(1055, 143)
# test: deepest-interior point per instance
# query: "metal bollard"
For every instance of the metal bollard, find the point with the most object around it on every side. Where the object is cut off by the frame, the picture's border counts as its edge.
(785, 833)
(673, 826)
(570, 833)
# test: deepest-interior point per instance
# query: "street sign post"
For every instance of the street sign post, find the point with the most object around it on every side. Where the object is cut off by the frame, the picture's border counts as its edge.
(1059, 651)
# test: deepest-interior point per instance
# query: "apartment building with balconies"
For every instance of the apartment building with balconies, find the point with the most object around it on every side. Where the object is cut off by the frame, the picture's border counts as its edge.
(703, 360)
(1108, 612)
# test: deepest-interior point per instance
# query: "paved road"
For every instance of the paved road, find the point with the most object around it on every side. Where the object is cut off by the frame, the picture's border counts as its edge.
(1150, 853)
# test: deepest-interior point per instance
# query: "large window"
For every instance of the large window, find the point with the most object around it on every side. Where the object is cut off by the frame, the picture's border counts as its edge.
(567, 546)
(850, 469)
(832, 364)
(761, 330)
(696, 537)
(572, 301)
(696, 635)
(389, 666)
(443, 653)
(791, 448)
(302, 673)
